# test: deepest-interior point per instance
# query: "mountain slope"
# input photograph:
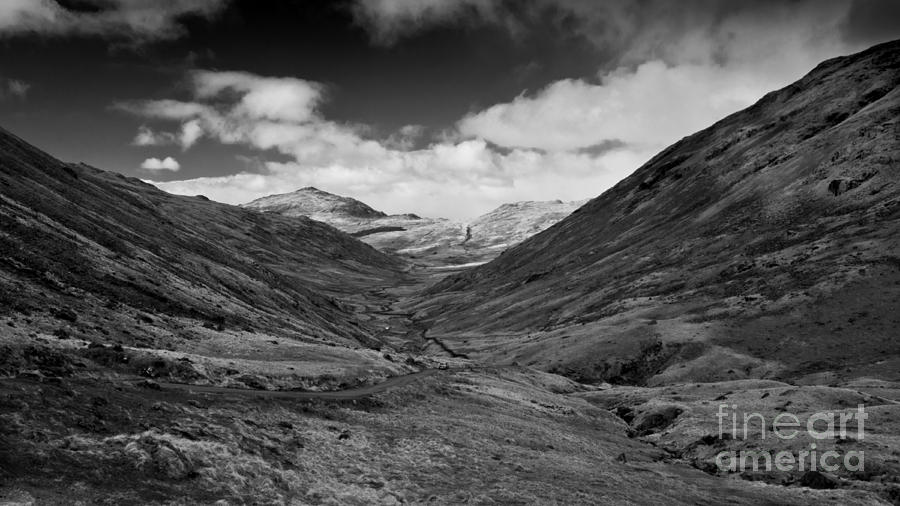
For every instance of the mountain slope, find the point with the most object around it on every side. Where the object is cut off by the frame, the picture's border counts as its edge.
(93, 255)
(766, 244)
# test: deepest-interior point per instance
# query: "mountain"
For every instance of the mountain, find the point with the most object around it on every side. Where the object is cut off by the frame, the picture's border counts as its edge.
(94, 256)
(439, 241)
(512, 223)
(763, 246)
(316, 204)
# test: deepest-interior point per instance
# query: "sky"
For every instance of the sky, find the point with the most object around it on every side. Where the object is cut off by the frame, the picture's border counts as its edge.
(436, 107)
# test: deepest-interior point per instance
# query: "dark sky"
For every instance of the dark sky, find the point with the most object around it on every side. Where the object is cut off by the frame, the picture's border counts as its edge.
(504, 100)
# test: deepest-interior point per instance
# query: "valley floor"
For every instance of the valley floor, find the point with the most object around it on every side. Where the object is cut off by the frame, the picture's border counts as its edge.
(83, 423)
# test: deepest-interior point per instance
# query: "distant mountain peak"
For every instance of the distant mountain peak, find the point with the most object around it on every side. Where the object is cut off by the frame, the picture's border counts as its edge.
(410, 234)
(316, 204)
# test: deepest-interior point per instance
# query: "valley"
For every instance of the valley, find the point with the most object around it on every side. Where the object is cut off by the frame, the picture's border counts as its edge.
(302, 349)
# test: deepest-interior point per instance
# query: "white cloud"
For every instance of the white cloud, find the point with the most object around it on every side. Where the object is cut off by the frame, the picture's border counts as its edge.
(451, 180)
(18, 88)
(457, 179)
(571, 140)
(146, 136)
(388, 20)
(14, 88)
(135, 19)
(654, 104)
(285, 98)
(675, 78)
(189, 134)
(167, 163)
(165, 109)
(191, 131)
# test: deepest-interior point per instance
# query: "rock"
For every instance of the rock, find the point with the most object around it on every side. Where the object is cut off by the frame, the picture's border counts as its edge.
(170, 464)
(32, 374)
(835, 187)
(815, 479)
(625, 413)
(137, 454)
(658, 420)
(149, 384)
(254, 381)
(16, 498)
(66, 314)
(770, 477)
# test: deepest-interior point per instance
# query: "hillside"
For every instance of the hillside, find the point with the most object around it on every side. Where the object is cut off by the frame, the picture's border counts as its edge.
(436, 241)
(94, 257)
(763, 246)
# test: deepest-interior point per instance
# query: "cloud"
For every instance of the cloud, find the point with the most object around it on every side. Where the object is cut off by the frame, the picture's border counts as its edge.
(133, 19)
(17, 88)
(670, 68)
(406, 137)
(167, 163)
(673, 69)
(191, 131)
(628, 31)
(13, 88)
(285, 99)
(454, 178)
(164, 109)
(654, 104)
(389, 20)
(678, 72)
(263, 112)
(146, 136)
(457, 181)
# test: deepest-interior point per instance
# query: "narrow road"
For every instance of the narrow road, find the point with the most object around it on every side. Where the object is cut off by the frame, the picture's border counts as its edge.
(336, 395)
